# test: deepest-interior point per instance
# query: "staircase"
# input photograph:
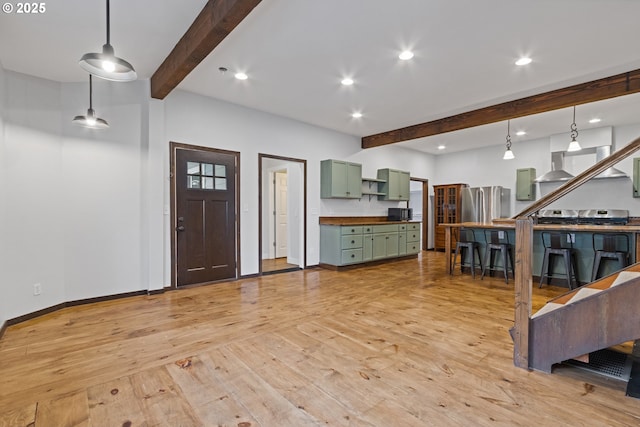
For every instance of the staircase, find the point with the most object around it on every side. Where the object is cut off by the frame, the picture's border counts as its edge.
(583, 324)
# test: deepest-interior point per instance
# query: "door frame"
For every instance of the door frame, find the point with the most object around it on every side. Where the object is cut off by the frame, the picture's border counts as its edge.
(260, 205)
(425, 211)
(173, 146)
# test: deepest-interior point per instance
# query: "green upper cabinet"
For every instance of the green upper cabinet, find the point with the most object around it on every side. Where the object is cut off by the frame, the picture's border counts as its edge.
(340, 179)
(396, 186)
(525, 184)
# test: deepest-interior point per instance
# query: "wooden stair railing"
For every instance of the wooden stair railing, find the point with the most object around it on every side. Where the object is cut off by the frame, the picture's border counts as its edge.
(524, 250)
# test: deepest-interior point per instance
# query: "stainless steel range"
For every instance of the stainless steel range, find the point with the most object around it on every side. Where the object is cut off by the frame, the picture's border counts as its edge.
(557, 216)
(585, 216)
(603, 216)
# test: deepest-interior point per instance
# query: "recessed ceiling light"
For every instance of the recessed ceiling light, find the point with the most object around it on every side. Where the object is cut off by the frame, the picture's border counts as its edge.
(520, 133)
(347, 81)
(523, 61)
(405, 55)
(441, 147)
(241, 76)
(356, 115)
(595, 120)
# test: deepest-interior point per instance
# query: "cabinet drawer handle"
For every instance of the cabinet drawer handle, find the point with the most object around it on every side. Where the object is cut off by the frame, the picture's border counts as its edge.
(353, 255)
(353, 241)
(353, 230)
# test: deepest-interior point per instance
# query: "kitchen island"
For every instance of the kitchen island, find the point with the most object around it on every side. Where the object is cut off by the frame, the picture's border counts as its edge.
(583, 242)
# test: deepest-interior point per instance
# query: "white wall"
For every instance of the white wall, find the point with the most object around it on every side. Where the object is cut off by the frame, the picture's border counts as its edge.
(33, 235)
(484, 166)
(106, 191)
(78, 215)
(602, 193)
(198, 120)
(4, 284)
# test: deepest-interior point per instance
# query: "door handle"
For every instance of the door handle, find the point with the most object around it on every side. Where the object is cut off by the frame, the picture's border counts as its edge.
(180, 228)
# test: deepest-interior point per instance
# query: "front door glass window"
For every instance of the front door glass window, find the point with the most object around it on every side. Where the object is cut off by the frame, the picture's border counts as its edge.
(206, 176)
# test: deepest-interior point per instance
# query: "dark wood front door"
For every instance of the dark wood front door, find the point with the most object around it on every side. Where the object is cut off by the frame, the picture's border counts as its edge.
(205, 216)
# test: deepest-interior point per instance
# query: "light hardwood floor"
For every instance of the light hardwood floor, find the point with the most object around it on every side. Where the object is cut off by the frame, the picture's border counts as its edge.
(400, 344)
(277, 264)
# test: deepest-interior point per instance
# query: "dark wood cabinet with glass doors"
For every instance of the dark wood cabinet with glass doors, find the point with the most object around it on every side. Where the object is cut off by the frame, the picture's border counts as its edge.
(446, 210)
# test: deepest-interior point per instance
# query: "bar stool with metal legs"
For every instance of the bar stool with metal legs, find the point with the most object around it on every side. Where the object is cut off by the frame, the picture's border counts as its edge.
(609, 246)
(559, 244)
(498, 241)
(467, 245)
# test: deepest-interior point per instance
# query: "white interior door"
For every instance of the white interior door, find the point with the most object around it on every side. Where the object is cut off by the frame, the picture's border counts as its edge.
(281, 215)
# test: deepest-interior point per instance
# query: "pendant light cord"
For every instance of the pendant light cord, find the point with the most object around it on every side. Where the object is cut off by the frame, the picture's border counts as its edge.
(90, 93)
(108, 25)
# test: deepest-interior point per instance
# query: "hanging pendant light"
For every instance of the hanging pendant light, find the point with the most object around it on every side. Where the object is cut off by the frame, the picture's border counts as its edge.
(508, 154)
(90, 120)
(574, 145)
(107, 65)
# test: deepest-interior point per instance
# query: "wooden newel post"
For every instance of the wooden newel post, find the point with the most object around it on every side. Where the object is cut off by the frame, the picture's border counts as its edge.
(523, 284)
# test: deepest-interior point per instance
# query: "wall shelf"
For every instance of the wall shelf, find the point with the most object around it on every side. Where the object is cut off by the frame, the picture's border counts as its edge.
(372, 191)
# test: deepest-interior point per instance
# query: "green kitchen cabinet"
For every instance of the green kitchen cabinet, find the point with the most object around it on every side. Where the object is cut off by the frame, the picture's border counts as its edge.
(525, 184)
(367, 243)
(340, 179)
(413, 238)
(636, 177)
(342, 245)
(385, 241)
(402, 243)
(396, 185)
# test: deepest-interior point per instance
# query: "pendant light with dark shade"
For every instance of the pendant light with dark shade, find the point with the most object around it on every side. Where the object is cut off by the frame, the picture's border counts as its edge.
(107, 65)
(508, 154)
(574, 145)
(90, 120)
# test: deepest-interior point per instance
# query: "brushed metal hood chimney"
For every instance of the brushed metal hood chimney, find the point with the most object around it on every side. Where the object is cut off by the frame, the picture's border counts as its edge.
(602, 153)
(557, 172)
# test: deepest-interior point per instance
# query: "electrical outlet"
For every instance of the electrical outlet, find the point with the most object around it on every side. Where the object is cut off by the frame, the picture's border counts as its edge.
(500, 234)
(571, 238)
(37, 289)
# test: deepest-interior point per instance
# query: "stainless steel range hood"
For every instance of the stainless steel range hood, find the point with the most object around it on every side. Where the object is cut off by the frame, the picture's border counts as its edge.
(557, 172)
(602, 153)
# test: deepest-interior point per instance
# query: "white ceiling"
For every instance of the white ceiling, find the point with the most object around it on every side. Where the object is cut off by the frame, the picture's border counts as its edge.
(297, 51)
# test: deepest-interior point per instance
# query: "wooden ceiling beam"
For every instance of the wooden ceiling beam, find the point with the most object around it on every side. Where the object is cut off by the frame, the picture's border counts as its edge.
(597, 90)
(216, 20)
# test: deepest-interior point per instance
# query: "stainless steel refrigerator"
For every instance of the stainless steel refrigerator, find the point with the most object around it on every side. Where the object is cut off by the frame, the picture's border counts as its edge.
(483, 204)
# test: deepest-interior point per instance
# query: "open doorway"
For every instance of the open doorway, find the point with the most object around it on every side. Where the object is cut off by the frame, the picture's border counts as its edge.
(418, 201)
(282, 227)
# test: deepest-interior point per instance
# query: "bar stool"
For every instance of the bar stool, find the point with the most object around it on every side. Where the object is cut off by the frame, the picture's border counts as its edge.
(467, 244)
(558, 244)
(496, 243)
(609, 246)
